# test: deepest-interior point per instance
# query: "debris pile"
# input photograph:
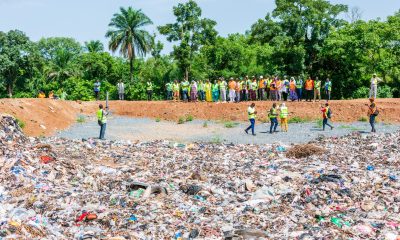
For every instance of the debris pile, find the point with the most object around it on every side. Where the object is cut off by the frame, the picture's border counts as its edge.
(54, 188)
(304, 150)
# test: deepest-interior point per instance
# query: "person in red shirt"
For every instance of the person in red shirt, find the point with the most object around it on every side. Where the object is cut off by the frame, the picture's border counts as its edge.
(326, 115)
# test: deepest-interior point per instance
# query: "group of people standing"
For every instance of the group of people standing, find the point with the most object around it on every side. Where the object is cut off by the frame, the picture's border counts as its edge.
(248, 89)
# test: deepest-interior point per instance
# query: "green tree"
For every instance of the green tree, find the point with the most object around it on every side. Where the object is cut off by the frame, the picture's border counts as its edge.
(61, 54)
(94, 46)
(190, 31)
(15, 56)
(126, 33)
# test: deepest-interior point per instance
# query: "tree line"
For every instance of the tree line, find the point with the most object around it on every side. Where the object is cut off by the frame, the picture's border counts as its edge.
(298, 38)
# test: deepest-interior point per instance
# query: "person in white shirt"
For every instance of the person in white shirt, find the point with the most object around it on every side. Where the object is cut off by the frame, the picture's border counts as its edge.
(374, 85)
(121, 90)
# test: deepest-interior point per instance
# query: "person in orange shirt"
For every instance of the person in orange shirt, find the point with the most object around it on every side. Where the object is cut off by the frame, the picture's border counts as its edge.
(261, 88)
(279, 89)
(292, 89)
(232, 87)
(309, 87)
(272, 89)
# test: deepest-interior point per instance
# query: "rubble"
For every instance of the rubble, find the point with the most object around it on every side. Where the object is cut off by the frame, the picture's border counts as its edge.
(94, 189)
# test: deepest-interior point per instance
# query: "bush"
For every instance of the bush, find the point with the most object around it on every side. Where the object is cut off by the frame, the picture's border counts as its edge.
(361, 92)
(385, 92)
(189, 118)
(181, 120)
(319, 123)
(158, 119)
(205, 124)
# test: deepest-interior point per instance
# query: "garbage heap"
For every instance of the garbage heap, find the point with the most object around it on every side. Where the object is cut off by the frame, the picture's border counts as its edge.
(54, 188)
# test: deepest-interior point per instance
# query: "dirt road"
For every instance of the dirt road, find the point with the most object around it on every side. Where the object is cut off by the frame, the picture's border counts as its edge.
(45, 116)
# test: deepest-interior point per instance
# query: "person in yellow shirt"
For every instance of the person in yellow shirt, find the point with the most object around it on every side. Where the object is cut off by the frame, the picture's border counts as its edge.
(207, 89)
(283, 115)
(176, 90)
(251, 112)
(41, 95)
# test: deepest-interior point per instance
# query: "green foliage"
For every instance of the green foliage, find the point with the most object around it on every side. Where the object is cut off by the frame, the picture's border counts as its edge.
(205, 124)
(299, 38)
(319, 123)
(363, 119)
(190, 31)
(158, 119)
(181, 120)
(20, 123)
(297, 119)
(81, 119)
(361, 92)
(230, 124)
(385, 92)
(126, 33)
(216, 139)
(189, 118)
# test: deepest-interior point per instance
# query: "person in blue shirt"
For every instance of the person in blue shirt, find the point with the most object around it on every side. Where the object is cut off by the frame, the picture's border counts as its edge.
(97, 89)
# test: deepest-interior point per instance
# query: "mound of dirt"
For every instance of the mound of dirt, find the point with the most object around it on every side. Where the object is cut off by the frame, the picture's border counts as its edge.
(46, 116)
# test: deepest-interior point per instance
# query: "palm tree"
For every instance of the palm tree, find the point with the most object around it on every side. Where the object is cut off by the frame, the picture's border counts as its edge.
(94, 46)
(126, 33)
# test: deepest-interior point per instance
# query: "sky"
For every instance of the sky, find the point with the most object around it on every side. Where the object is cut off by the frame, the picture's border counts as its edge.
(87, 20)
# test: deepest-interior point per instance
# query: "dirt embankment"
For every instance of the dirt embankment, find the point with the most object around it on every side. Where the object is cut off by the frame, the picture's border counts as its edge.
(45, 116)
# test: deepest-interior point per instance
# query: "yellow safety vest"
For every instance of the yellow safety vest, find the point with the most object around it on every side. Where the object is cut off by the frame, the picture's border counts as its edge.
(273, 114)
(251, 112)
(101, 116)
(284, 112)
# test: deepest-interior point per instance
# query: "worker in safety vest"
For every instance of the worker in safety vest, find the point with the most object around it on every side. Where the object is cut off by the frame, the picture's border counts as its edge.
(176, 89)
(374, 86)
(261, 88)
(299, 88)
(279, 89)
(317, 89)
(102, 120)
(168, 88)
(200, 91)
(372, 113)
(273, 115)
(251, 112)
(309, 86)
(243, 90)
(283, 115)
(222, 89)
(268, 82)
(185, 85)
(328, 89)
(149, 89)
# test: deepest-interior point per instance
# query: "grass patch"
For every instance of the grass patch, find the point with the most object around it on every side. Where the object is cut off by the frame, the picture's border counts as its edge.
(205, 124)
(351, 128)
(20, 123)
(216, 140)
(189, 118)
(319, 123)
(230, 124)
(81, 119)
(297, 119)
(158, 119)
(181, 120)
(363, 119)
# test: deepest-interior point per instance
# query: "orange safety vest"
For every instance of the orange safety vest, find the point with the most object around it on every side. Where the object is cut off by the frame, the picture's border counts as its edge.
(278, 84)
(292, 86)
(309, 84)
